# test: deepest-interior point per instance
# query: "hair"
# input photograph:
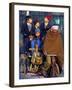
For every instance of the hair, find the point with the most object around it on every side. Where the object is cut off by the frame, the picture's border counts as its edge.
(27, 18)
(36, 21)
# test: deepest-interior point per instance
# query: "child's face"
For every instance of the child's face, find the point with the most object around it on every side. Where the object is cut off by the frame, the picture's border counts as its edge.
(31, 37)
(37, 24)
(37, 34)
(30, 20)
(46, 20)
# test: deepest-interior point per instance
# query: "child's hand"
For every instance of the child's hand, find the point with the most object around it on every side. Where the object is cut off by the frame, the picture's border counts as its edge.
(23, 56)
(33, 62)
(31, 49)
(45, 53)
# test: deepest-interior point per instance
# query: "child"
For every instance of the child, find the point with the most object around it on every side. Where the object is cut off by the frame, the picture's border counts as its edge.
(36, 60)
(45, 26)
(30, 45)
(27, 29)
(38, 34)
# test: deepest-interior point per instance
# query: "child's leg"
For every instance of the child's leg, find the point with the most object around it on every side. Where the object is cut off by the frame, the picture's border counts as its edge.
(48, 61)
(55, 68)
(30, 67)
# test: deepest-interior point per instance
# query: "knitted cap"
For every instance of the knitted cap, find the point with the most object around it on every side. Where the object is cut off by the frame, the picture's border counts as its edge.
(49, 17)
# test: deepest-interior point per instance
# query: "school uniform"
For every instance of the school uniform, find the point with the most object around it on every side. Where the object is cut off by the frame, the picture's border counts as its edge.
(44, 29)
(26, 30)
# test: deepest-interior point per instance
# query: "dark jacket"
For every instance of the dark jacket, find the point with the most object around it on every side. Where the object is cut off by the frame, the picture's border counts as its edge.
(44, 29)
(25, 31)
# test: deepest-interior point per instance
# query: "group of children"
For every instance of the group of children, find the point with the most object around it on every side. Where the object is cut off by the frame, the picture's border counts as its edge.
(33, 55)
